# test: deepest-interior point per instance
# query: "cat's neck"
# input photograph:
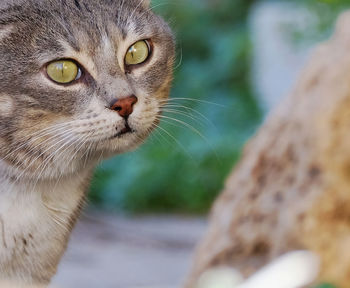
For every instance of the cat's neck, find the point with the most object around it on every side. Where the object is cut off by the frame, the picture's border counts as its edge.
(36, 219)
(62, 192)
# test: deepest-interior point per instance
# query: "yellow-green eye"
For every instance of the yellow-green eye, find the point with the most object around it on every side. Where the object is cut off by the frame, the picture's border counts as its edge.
(63, 71)
(137, 53)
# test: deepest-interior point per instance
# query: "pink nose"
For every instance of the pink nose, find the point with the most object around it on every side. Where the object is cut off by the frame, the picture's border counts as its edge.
(124, 106)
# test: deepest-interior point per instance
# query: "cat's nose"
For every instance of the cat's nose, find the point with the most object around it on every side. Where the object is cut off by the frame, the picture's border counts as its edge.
(124, 106)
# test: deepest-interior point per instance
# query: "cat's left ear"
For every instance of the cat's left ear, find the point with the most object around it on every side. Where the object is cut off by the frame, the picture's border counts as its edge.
(146, 3)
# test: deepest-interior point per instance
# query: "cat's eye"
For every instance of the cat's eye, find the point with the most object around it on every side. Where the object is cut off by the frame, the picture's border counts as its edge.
(138, 53)
(63, 71)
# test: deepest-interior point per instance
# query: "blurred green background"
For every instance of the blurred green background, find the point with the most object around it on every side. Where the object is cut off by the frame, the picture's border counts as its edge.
(182, 169)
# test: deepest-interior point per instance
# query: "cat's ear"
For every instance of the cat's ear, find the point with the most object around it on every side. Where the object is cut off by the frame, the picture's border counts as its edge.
(146, 3)
(140, 3)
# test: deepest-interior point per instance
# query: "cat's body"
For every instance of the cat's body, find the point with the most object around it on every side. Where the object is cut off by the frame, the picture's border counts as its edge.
(52, 134)
(35, 227)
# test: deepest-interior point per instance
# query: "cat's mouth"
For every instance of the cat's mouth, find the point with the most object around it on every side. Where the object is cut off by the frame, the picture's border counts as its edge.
(126, 130)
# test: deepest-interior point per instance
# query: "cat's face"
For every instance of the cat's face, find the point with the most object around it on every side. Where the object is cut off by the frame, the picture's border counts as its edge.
(79, 80)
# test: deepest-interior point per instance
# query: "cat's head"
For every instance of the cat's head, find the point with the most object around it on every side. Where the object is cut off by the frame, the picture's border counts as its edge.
(79, 80)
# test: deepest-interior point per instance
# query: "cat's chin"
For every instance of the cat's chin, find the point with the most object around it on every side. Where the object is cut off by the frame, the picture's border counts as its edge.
(121, 143)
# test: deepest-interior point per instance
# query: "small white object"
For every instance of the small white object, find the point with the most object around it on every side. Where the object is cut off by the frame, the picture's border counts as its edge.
(293, 270)
(223, 277)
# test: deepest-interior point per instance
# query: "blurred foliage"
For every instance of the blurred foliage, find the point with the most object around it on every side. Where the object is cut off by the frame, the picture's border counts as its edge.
(178, 170)
(320, 23)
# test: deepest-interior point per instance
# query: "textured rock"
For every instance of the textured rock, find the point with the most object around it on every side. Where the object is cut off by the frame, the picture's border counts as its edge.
(291, 189)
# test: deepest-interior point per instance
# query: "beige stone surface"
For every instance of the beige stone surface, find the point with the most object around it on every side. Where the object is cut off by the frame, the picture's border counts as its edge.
(291, 190)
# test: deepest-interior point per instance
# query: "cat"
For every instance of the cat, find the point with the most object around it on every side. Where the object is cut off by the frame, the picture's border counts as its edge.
(80, 81)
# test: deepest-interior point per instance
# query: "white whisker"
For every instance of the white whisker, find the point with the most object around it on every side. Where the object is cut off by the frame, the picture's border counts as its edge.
(206, 119)
(178, 143)
(192, 100)
(185, 124)
(187, 115)
(38, 135)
